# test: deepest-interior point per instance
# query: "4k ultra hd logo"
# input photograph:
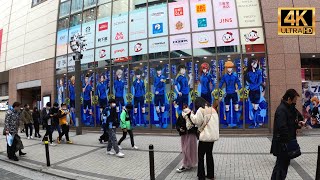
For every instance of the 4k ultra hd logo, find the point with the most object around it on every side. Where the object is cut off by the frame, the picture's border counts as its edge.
(296, 21)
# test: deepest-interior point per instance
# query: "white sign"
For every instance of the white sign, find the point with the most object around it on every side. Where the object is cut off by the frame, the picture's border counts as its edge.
(201, 13)
(158, 45)
(180, 42)
(103, 32)
(227, 37)
(61, 62)
(103, 53)
(252, 36)
(179, 18)
(203, 39)
(88, 30)
(72, 31)
(119, 50)
(225, 14)
(138, 47)
(119, 28)
(71, 62)
(88, 56)
(249, 13)
(138, 24)
(158, 20)
(62, 42)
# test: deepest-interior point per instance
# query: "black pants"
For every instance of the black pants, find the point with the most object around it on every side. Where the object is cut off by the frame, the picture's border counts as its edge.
(48, 133)
(205, 148)
(28, 126)
(11, 150)
(36, 128)
(65, 131)
(125, 135)
(280, 170)
(105, 136)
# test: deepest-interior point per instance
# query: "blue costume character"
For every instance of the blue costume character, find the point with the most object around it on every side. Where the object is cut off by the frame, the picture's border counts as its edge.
(102, 91)
(72, 94)
(87, 94)
(61, 91)
(253, 79)
(231, 80)
(139, 92)
(182, 87)
(119, 89)
(205, 80)
(159, 84)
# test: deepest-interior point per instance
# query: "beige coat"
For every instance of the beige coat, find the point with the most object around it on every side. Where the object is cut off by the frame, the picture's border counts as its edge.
(207, 120)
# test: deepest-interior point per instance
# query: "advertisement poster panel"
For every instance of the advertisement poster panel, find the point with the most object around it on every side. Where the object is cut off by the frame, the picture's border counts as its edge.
(201, 13)
(225, 15)
(158, 20)
(179, 18)
(103, 32)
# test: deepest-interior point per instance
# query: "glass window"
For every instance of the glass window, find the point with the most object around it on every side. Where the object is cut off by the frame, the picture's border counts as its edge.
(63, 23)
(120, 6)
(76, 5)
(36, 2)
(89, 3)
(75, 19)
(104, 11)
(135, 4)
(89, 15)
(64, 9)
(103, 1)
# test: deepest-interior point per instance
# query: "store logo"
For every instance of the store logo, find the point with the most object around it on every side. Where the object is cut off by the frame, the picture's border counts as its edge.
(202, 22)
(228, 37)
(103, 26)
(201, 8)
(62, 37)
(178, 11)
(102, 53)
(118, 51)
(120, 22)
(157, 28)
(158, 44)
(138, 47)
(103, 39)
(180, 41)
(88, 29)
(179, 25)
(252, 36)
(224, 5)
(296, 21)
(203, 39)
(157, 14)
(119, 36)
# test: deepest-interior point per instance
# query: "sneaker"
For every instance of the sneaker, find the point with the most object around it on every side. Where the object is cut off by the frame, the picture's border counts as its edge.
(22, 153)
(69, 142)
(58, 141)
(28, 137)
(135, 147)
(120, 155)
(110, 153)
(120, 147)
(31, 137)
(15, 158)
(52, 144)
(179, 170)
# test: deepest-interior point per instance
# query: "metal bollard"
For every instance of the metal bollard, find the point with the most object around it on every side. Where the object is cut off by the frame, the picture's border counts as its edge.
(46, 143)
(151, 160)
(318, 165)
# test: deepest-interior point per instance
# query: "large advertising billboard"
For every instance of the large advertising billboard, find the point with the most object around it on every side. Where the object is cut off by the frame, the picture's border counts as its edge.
(158, 20)
(119, 28)
(88, 30)
(249, 13)
(62, 42)
(179, 17)
(225, 15)
(138, 24)
(201, 13)
(103, 32)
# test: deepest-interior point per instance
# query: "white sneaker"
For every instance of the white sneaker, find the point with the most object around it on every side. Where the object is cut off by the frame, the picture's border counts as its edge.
(120, 155)
(52, 144)
(110, 153)
(31, 137)
(135, 147)
(28, 137)
(120, 147)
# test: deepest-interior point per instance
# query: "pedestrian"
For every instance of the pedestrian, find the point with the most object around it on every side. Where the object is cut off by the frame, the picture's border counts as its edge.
(11, 126)
(287, 120)
(112, 125)
(104, 115)
(187, 131)
(47, 121)
(26, 117)
(64, 121)
(207, 121)
(36, 121)
(125, 123)
(21, 123)
(55, 119)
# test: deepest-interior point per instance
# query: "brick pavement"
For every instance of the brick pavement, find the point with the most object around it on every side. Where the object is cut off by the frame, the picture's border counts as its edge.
(235, 158)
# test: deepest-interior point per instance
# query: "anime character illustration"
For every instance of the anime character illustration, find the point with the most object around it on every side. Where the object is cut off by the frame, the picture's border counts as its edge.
(61, 91)
(102, 91)
(139, 93)
(72, 94)
(232, 86)
(314, 112)
(251, 36)
(182, 86)
(253, 79)
(119, 86)
(228, 37)
(87, 95)
(206, 82)
(159, 84)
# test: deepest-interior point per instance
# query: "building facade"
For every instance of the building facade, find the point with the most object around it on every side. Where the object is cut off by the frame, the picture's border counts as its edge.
(159, 55)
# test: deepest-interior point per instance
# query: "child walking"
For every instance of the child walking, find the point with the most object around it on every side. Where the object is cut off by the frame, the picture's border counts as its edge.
(125, 123)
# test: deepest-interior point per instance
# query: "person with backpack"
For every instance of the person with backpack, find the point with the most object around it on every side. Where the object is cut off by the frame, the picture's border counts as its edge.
(125, 123)
(64, 122)
(112, 124)
(47, 121)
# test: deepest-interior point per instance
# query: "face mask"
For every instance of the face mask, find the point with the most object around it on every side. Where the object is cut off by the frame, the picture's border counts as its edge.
(113, 104)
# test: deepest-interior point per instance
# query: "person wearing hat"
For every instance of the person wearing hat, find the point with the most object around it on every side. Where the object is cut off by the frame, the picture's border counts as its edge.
(139, 92)
(112, 123)
(64, 122)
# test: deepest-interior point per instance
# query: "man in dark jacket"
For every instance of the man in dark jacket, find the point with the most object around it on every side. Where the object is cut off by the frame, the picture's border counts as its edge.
(286, 122)
(55, 118)
(46, 116)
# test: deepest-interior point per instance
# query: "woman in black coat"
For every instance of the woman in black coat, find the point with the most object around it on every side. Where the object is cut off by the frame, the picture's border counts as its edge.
(36, 121)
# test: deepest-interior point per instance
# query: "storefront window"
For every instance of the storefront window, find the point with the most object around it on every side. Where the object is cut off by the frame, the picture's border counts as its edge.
(89, 3)
(104, 11)
(89, 15)
(120, 6)
(103, 1)
(64, 9)
(76, 5)
(63, 23)
(75, 20)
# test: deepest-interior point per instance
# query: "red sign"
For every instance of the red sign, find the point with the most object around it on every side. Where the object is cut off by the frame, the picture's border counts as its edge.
(103, 26)
(122, 59)
(1, 31)
(178, 11)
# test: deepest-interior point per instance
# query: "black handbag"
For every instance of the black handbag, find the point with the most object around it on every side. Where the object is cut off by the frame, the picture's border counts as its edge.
(293, 149)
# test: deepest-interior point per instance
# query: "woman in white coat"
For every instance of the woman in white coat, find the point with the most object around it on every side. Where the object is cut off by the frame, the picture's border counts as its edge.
(207, 120)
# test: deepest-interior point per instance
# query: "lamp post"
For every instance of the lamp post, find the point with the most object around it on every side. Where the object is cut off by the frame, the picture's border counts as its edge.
(77, 45)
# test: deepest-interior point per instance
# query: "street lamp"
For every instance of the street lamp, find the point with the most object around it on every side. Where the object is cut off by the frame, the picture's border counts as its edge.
(78, 45)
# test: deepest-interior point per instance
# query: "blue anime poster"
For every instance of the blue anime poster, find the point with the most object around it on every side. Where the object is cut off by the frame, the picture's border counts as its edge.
(87, 79)
(255, 78)
(139, 82)
(71, 97)
(160, 89)
(101, 91)
(61, 90)
(230, 86)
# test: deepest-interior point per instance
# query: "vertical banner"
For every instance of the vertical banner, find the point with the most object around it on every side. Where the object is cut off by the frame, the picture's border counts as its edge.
(119, 28)
(225, 15)
(158, 20)
(179, 17)
(138, 24)
(88, 30)
(201, 13)
(72, 31)
(62, 42)
(249, 13)
(103, 32)
(228, 38)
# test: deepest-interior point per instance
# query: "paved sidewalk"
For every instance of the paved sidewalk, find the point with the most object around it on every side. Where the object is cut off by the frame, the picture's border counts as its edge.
(235, 158)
